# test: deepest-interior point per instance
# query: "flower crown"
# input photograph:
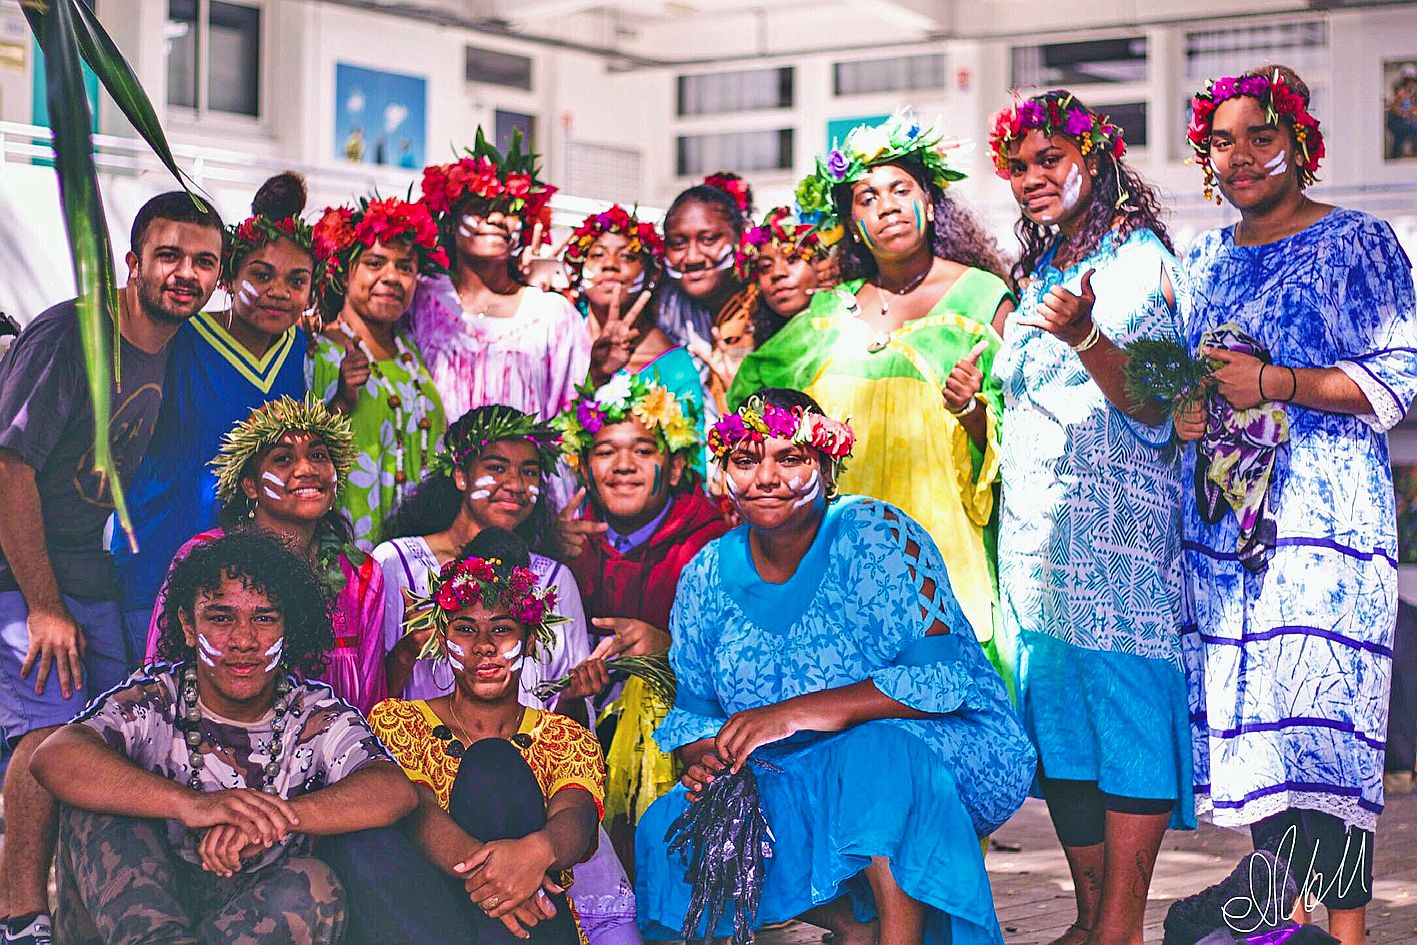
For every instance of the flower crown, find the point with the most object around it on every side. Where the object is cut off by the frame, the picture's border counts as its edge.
(344, 232)
(642, 237)
(780, 229)
(900, 137)
(465, 440)
(487, 581)
(499, 181)
(260, 230)
(673, 421)
(756, 420)
(735, 187)
(1280, 103)
(264, 427)
(1053, 113)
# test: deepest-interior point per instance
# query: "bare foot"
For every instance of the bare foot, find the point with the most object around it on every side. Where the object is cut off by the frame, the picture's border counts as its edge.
(1075, 935)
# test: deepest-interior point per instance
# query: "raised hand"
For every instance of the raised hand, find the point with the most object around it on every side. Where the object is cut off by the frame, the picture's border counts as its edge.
(612, 348)
(965, 379)
(1064, 315)
(354, 372)
(541, 268)
(572, 535)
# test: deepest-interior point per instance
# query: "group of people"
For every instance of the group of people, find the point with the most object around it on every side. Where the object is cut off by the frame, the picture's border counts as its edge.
(914, 542)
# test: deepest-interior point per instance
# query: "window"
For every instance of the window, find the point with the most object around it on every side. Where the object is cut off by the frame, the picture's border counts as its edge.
(741, 151)
(1130, 117)
(1302, 46)
(491, 67)
(754, 90)
(508, 122)
(894, 74)
(214, 56)
(604, 172)
(1085, 63)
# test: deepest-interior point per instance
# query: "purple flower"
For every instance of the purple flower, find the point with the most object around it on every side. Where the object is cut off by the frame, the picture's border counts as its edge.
(732, 428)
(780, 423)
(1223, 89)
(1078, 122)
(837, 163)
(590, 418)
(1031, 114)
(1255, 85)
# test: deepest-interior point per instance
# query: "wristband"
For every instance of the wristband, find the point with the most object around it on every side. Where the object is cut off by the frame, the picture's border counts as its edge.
(1092, 338)
(967, 410)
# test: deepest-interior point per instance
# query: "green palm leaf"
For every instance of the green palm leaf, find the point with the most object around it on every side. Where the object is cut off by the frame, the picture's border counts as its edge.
(64, 29)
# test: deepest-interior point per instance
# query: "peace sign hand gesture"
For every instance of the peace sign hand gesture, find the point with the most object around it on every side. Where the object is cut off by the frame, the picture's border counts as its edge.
(541, 268)
(571, 535)
(1066, 316)
(612, 348)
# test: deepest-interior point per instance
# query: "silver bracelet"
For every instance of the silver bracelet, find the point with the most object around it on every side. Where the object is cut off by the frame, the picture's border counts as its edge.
(966, 411)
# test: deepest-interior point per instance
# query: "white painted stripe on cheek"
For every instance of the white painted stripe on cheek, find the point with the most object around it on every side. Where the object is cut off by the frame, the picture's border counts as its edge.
(455, 654)
(274, 651)
(483, 481)
(814, 489)
(468, 227)
(1278, 164)
(247, 293)
(477, 494)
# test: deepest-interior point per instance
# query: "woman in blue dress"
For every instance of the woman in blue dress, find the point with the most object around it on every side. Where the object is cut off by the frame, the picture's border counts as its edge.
(1290, 537)
(822, 635)
(1089, 538)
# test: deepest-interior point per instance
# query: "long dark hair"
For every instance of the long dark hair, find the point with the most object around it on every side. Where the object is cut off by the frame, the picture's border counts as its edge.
(957, 234)
(1117, 191)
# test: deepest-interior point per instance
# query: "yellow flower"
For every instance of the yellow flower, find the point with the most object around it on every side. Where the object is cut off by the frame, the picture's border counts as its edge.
(679, 434)
(752, 420)
(869, 143)
(656, 408)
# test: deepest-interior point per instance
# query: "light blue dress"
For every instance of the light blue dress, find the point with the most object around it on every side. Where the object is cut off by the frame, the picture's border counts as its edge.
(1089, 541)
(920, 792)
(1289, 668)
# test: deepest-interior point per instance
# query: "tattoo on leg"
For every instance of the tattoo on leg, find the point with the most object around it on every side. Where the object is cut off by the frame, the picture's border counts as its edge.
(1141, 879)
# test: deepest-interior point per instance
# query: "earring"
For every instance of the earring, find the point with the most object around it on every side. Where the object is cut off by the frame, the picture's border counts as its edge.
(251, 512)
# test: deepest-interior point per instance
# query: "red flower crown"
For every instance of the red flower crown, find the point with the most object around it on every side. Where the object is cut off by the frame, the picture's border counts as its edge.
(260, 230)
(495, 181)
(643, 237)
(343, 232)
(736, 187)
(463, 582)
(1053, 113)
(1280, 103)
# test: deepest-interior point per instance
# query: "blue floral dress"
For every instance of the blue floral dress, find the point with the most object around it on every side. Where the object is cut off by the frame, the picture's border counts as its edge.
(1089, 541)
(1289, 668)
(919, 791)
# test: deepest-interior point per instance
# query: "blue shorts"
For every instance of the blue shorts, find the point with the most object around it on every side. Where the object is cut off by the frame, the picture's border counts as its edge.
(106, 664)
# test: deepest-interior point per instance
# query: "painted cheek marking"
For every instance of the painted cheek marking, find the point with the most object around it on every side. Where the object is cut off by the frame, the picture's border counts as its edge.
(1278, 164)
(483, 481)
(272, 477)
(658, 480)
(206, 652)
(814, 489)
(534, 492)
(1072, 188)
(468, 226)
(274, 651)
(270, 493)
(865, 237)
(479, 494)
(248, 294)
(455, 654)
(514, 657)
(919, 219)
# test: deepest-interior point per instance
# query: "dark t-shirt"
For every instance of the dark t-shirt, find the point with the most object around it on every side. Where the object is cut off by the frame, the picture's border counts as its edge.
(46, 417)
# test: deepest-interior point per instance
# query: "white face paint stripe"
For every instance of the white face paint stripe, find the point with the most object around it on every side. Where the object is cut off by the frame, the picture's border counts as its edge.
(247, 293)
(270, 493)
(272, 477)
(274, 651)
(1278, 164)
(468, 226)
(814, 489)
(484, 480)
(477, 494)
(1072, 188)
(206, 647)
(455, 653)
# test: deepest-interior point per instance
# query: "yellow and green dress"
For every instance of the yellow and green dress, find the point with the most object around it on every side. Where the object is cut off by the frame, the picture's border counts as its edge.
(910, 450)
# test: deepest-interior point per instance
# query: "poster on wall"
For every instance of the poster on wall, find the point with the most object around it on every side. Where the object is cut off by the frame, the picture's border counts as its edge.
(1400, 109)
(379, 117)
(1404, 483)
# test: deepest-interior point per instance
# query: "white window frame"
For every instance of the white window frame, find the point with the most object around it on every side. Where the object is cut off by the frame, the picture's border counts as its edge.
(202, 114)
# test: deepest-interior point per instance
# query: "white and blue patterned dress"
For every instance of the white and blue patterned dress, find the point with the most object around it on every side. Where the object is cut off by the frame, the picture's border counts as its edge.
(920, 791)
(1089, 541)
(1289, 669)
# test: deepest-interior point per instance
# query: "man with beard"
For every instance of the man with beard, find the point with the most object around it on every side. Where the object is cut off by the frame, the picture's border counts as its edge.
(60, 631)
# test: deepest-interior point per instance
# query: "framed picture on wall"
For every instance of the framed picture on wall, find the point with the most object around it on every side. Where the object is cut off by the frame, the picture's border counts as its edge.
(1400, 109)
(379, 117)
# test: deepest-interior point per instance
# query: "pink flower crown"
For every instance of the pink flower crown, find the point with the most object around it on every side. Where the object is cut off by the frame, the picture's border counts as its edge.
(643, 237)
(1053, 113)
(782, 229)
(463, 582)
(755, 422)
(1280, 103)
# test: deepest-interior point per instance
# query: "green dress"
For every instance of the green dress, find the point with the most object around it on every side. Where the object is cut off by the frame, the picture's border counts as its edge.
(910, 450)
(398, 425)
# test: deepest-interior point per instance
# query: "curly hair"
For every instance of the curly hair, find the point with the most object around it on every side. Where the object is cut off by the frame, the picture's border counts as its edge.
(433, 504)
(957, 235)
(1117, 191)
(264, 564)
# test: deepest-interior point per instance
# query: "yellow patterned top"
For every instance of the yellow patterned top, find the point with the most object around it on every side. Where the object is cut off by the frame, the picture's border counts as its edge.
(562, 753)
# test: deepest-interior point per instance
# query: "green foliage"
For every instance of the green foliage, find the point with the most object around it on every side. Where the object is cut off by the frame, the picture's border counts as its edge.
(1163, 371)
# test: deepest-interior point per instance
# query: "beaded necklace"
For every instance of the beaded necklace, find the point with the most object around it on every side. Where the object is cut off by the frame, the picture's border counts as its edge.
(189, 721)
(420, 409)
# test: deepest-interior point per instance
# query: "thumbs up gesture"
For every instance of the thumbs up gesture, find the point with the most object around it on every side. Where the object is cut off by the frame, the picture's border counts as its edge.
(1064, 315)
(965, 379)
